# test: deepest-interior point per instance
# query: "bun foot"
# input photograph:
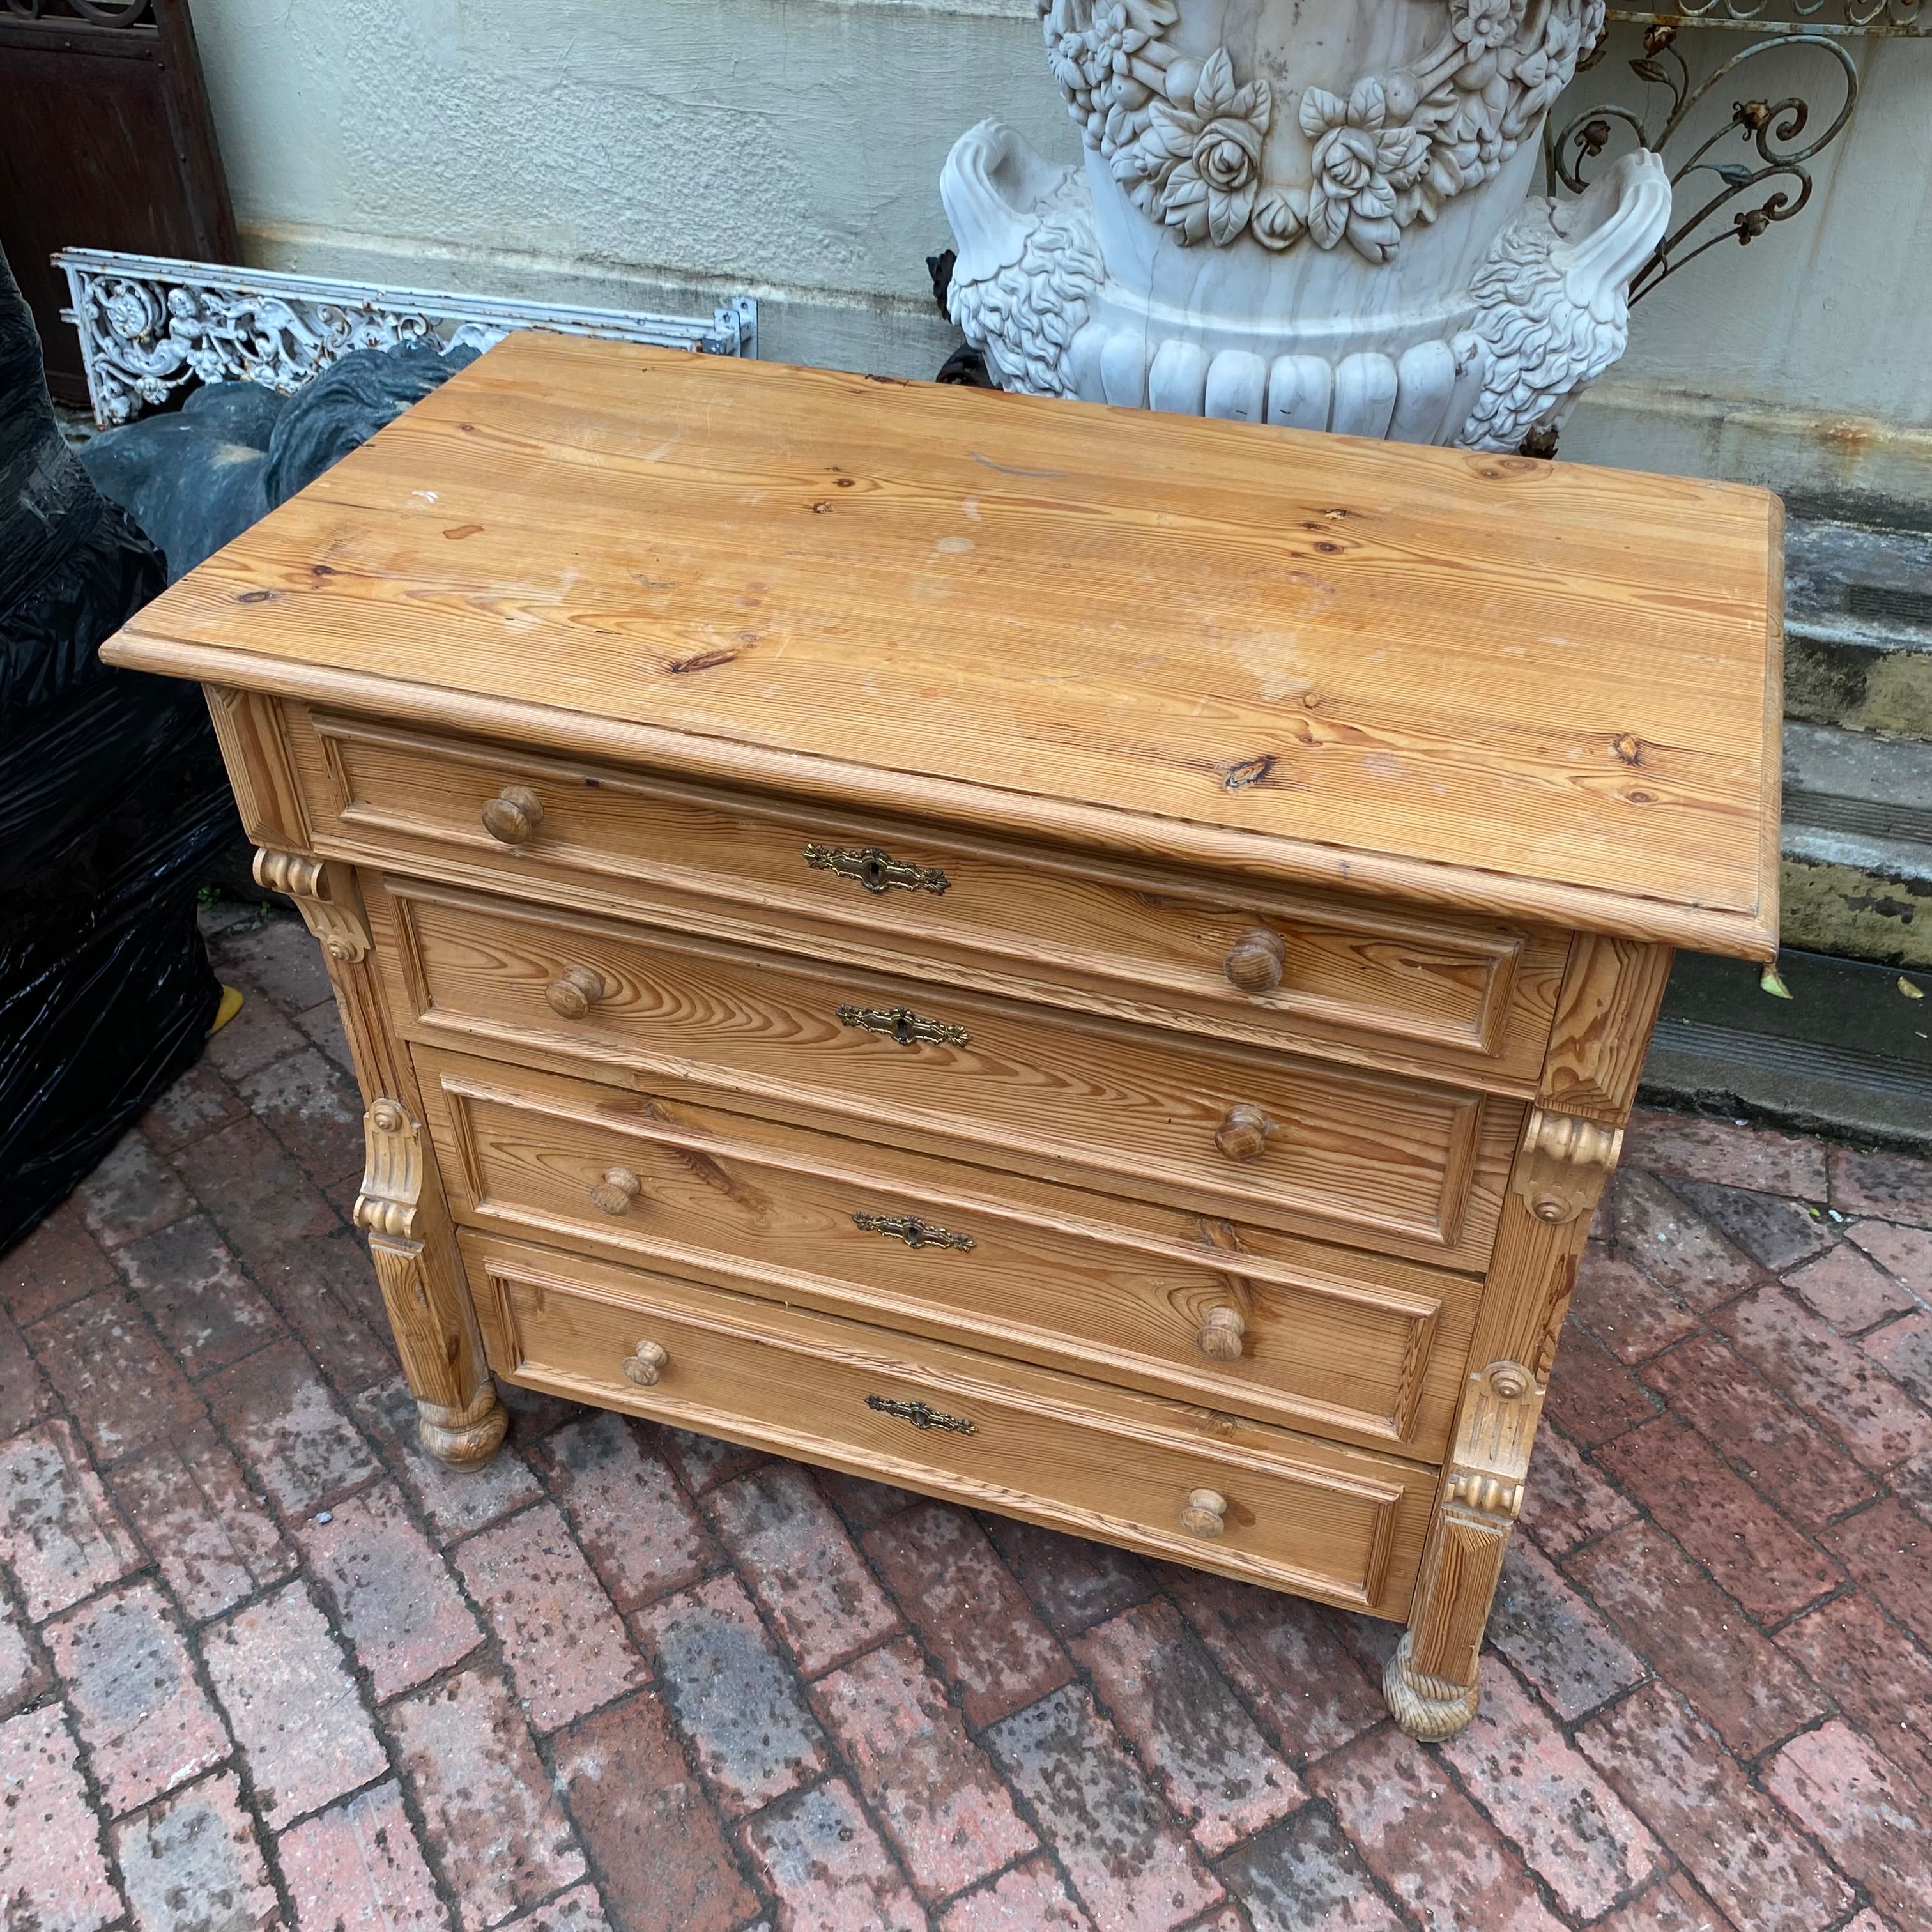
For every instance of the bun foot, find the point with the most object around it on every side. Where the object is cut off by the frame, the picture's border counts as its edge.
(465, 1438)
(1429, 1708)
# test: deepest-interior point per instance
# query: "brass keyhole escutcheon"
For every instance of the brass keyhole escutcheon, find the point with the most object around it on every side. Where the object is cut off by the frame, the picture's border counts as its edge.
(574, 991)
(1256, 961)
(1204, 1514)
(616, 1191)
(1223, 1331)
(1243, 1132)
(647, 1364)
(513, 815)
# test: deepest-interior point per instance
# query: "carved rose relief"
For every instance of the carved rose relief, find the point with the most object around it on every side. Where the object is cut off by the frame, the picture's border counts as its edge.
(1188, 142)
(1197, 164)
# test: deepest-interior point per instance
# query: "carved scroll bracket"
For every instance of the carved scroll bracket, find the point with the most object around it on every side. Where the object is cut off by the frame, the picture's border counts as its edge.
(1563, 1164)
(1431, 1682)
(305, 880)
(1491, 1458)
(392, 1173)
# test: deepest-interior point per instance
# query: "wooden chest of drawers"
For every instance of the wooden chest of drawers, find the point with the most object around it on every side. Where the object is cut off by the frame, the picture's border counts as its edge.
(1088, 962)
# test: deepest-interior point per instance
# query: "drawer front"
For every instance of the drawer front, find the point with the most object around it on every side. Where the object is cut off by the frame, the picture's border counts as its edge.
(1342, 1524)
(1371, 1350)
(1402, 990)
(1300, 1143)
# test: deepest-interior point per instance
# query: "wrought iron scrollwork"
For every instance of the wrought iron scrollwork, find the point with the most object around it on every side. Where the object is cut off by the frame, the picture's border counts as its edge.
(150, 326)
(1739, 173)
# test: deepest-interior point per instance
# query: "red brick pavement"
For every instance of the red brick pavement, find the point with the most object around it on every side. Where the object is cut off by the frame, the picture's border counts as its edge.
(263, 1663)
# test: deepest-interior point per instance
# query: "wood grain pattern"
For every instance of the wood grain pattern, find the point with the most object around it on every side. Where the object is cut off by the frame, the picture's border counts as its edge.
(1434, 994)
(1412, 1163)
(1343, 1525)
(1531, 688)
(438, 1340)
(1352, 1348)
(1612, 991)
(249, 727)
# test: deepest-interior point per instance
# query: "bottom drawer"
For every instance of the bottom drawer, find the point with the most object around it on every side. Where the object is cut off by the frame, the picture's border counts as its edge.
(1197, 1487)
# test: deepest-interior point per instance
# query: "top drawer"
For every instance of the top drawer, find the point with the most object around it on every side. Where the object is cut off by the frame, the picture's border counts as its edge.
(1427, 994)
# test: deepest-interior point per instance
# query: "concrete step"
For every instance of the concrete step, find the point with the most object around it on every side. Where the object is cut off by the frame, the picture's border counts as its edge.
(1857, 612)
(1858, 845)
(1849, 1053)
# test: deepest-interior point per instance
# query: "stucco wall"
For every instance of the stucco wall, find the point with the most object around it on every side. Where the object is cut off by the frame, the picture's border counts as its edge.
(654, 153)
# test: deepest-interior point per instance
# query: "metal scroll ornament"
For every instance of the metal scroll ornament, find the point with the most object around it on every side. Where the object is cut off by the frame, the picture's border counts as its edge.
(911, 1230)
(878, 871)
(922, 1415)
(903, 1024)
(1740, 160)
(151, 327)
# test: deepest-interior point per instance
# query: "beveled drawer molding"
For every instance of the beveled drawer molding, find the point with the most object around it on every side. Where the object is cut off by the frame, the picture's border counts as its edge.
(1433, 993)
(1341, 1524)
(1369, 1349)
(1334, 1150)
(864, 928)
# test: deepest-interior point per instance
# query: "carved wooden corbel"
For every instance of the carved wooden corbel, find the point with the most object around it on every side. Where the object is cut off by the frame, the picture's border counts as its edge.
(1563, 1164)
(392, 1172)
(305, 880)
(1490, 1459)
(1431, 1681)
(387, 1209)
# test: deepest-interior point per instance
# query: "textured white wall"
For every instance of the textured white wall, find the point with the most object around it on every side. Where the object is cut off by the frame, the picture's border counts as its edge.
(647, 153)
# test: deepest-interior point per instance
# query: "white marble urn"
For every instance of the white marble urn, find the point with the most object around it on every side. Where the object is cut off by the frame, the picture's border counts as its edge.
(1312, 212)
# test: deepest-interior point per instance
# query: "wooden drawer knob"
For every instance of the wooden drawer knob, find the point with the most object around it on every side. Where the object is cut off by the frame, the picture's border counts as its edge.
(513, 815)
(1205, 1514)
(1222, 1331)
(649, 1362)
(1255, 960)
(573, 994)
(1243, 1132)
(616, 1191)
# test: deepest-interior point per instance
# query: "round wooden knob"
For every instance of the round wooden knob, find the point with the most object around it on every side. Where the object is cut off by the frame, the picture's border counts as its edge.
(1222, 1331)
(1255, 960)
(648, 1362)
(1204, 1514)
(513, 815)
(616, 1191)
(572, 994)
(1244, 1132)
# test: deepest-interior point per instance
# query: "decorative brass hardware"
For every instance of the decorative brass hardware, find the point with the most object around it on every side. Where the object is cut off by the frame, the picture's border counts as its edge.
(1204, 1514)
(878, 871)
(921, 1416)
(574, 991)
(650, 1360)
(513, 815)
(1243, 1132)
(903, 1024)
(1256, 961)
(911, 1230)
(1563, 1163)
(616, 1191)
(1223, 1330)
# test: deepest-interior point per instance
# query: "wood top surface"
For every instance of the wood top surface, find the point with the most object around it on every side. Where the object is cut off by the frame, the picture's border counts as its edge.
(1530, 688)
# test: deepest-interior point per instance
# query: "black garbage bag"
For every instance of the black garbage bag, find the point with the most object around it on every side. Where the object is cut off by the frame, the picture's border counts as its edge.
(112, 798)
(195, 481)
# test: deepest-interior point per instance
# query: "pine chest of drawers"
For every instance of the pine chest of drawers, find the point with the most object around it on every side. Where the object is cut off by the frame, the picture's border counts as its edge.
(1089, 962)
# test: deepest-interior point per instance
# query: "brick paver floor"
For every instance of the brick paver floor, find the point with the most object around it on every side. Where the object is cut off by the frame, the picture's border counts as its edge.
(261, 1663)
